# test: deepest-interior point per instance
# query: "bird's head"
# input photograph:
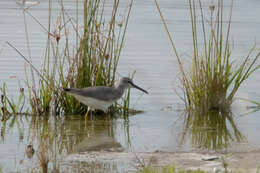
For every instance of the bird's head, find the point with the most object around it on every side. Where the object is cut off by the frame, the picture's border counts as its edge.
(126, 82)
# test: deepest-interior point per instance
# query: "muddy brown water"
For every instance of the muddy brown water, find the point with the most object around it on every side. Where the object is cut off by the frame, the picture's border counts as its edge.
(147, 51)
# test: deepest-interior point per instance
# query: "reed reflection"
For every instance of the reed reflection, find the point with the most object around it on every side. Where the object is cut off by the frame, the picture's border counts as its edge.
(48, 139)
(212, 130)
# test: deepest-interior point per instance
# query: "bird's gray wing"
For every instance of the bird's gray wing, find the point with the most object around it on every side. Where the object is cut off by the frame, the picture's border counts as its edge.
(99, 92)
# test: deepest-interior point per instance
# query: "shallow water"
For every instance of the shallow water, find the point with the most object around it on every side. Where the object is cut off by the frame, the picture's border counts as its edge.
(147, 50)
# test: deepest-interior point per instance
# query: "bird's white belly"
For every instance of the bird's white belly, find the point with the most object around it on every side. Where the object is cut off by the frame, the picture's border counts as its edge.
(94, 103)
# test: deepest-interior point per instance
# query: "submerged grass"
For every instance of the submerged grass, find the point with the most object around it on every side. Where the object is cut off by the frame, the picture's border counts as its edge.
(92, 61)
(214, 79)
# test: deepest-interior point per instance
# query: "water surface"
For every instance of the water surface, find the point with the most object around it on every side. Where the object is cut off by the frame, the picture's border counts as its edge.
(148, 52)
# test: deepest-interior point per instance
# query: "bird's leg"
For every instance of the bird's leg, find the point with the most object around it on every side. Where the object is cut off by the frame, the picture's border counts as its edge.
(91, 115)
(107, 113)
(86, 115)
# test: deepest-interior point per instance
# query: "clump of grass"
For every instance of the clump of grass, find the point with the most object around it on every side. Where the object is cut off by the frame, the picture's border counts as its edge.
(9, 106)
(95, 62)
(214, 79)
(91, 62)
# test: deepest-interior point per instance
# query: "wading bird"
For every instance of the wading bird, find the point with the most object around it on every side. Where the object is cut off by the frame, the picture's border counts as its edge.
(102, 97)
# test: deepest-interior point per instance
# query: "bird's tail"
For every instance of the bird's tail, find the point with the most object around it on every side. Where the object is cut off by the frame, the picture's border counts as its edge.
(67, 89)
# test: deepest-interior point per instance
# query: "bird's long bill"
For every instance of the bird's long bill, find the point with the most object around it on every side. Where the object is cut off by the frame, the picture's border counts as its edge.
(137, 87)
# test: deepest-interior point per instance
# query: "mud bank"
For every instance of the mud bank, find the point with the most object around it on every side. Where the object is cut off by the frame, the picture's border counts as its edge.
(131, 162)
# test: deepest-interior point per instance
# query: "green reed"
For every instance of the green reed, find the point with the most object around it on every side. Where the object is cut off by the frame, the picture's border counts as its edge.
(10, 106)
(91, 61)
(95, 62)
(214, 78)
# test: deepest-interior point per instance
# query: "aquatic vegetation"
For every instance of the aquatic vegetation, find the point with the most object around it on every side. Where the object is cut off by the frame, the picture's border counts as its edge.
(97, 56)
(215, 77)
(91, 61)
(169, 169)
(9, 106)
(255, 104)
